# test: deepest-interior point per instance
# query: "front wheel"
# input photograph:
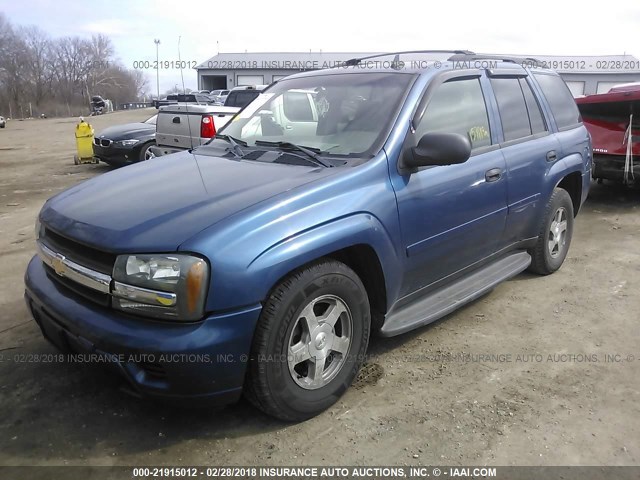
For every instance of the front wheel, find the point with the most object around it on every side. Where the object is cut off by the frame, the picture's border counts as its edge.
(145, 152)
(310, 341)
(555, 235)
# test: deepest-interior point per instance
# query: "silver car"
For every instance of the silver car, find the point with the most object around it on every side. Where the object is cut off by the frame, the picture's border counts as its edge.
(218, 96)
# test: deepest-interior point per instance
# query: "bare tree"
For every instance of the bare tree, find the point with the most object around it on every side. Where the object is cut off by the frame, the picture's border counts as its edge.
(39, 65)
(59, 76)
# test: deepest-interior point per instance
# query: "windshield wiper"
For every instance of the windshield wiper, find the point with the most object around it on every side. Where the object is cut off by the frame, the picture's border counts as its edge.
(309, 152)
(235, 148)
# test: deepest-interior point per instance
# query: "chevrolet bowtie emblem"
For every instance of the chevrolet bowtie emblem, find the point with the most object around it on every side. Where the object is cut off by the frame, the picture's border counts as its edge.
(58, 265)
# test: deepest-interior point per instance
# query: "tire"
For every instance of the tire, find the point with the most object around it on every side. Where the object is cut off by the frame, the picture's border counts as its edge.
(145, 154)
(283, 381)
(553, 243)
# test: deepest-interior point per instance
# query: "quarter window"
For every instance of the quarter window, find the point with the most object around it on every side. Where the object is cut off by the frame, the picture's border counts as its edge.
(563, 106)
(535, 114)
(458, 106)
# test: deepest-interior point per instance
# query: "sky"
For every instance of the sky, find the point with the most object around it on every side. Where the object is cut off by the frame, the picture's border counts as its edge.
(539, 27)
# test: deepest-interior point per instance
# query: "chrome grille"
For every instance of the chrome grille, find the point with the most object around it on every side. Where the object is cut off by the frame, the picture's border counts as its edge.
(82, 254)
(73, 271)
(102, 142)
(76, 267)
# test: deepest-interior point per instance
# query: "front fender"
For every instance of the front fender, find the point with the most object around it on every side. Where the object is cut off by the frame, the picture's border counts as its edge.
(242, 275)
(252, 250)
(358, 229)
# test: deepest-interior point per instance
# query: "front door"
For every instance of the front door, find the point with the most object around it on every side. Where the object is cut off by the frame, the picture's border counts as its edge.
(453, 216)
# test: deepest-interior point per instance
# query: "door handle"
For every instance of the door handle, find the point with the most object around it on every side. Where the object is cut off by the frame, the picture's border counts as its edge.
(493, 175)
(176, 120)
(552, 156)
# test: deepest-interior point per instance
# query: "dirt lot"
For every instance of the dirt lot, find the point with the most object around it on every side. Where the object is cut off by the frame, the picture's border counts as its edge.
(418, 401)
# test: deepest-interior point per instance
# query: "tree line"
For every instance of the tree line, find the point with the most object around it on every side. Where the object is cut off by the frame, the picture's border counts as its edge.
(40, 75)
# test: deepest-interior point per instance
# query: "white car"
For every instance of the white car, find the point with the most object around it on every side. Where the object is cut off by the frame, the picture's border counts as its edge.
(3, 122)
(219, 96)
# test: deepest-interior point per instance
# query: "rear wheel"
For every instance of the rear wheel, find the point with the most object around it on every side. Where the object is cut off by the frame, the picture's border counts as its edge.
(310, 341)
(555, 235)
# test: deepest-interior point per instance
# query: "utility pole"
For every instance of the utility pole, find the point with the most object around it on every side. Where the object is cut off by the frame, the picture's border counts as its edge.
(157, 42)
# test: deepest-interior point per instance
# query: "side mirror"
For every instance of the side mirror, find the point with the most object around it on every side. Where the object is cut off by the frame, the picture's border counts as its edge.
(437, 149)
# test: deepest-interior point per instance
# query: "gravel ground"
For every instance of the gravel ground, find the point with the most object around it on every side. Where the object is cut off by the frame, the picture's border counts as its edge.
(541, 371)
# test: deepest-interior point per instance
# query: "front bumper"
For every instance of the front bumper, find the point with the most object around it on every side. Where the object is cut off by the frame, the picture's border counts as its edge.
(202, 362)
(116, 156)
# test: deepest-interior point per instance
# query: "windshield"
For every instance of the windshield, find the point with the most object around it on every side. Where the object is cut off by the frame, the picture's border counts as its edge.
(340, 114)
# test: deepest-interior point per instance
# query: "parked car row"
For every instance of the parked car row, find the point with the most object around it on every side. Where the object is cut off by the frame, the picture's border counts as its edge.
(185, 123)
(337, 204)
(243, 95)
(191, 98)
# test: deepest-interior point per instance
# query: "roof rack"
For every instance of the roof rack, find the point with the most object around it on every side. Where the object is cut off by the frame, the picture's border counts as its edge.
(355, 61)
(523, 61)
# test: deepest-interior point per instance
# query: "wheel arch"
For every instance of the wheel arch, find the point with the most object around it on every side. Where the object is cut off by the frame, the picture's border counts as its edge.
(572, 183)
(350, 241)
(364, 261)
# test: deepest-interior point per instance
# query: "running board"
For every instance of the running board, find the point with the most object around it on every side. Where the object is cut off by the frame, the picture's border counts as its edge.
(447, 299)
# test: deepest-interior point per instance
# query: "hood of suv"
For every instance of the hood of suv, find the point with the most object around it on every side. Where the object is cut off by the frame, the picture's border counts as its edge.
(155, 206)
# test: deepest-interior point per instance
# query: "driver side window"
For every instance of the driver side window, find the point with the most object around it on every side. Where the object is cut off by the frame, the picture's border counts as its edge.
(458, 106)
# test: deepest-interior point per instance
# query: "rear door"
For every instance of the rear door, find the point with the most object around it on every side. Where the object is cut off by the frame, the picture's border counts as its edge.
(529, 149)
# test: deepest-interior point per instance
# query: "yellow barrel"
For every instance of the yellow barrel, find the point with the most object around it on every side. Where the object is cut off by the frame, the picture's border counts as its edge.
(84, 142)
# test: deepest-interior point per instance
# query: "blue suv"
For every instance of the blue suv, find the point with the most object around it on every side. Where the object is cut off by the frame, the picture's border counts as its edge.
(372, 198)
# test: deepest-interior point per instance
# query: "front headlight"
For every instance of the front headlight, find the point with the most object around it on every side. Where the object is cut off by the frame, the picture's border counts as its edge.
(127, 143)
(172, 286)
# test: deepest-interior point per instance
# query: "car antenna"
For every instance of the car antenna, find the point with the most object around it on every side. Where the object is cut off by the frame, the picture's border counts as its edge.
(397, 64)
(186, 107)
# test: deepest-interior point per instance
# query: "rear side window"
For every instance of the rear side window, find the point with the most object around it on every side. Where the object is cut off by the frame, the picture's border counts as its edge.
(458, 107)
(512, 108)
(563, 107)
(535, 114)
(297, 107)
